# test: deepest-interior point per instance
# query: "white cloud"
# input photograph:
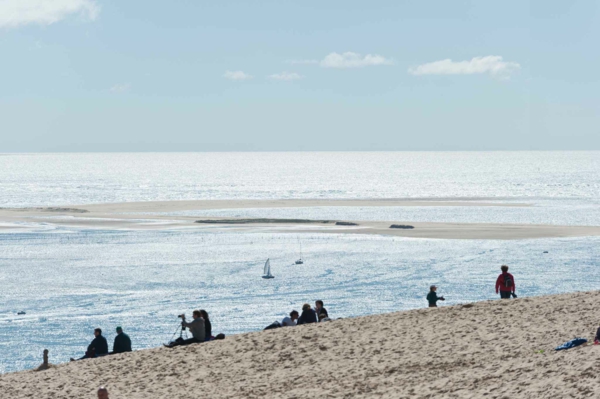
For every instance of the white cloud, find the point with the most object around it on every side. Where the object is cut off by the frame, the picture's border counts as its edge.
(237, 75)
(15, 13)
(491, 64)
(346, 60)
(121, 88)
(352, 60)
(287, 76)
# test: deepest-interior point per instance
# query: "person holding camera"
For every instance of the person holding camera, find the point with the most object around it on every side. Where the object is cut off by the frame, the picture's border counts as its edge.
(196, 327)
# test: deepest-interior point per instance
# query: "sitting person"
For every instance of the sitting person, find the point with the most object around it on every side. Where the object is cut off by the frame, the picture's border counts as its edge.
(319, 309)
(122, 342)
(98, 346)
(308, 315)
(597, 338)
(207, 326)
(324, 317)
(196, 327)
(45, 365)
(290, 321)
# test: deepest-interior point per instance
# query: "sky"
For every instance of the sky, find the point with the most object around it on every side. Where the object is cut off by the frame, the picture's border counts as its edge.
(278, 75)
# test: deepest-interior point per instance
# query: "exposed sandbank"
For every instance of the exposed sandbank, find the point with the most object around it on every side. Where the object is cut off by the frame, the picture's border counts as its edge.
(147, 215)
(492, 349)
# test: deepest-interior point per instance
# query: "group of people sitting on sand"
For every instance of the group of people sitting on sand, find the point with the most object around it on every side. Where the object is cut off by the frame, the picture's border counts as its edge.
(99, 345)
(309, 315)
(200, 329)
(505, 285)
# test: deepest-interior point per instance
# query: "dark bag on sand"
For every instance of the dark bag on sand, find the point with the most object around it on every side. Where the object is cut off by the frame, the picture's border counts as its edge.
(273, 325)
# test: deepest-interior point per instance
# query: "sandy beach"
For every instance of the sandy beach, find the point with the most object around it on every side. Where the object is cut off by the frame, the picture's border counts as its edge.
(147, 215)
(492, 349)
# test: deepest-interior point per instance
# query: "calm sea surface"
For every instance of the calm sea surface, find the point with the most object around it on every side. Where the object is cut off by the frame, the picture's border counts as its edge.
(70, 280)
(59, 179)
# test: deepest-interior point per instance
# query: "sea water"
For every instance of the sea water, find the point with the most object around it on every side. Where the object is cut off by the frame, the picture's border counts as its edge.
(69, 280)
(67, 179)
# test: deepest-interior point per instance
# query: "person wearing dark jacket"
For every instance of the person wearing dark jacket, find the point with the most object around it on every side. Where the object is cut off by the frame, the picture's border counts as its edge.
(98, 346)
(432, 297)
(505, 283)
(308, 315)
(207, 325)
(319, 309)
(122, 342)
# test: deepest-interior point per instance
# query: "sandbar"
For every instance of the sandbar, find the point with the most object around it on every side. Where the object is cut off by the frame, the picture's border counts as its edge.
(151, 215)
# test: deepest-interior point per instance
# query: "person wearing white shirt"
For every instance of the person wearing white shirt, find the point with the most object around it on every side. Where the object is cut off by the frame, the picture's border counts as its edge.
(290, 321)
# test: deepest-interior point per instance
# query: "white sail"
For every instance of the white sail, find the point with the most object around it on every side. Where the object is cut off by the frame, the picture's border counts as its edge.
(267, 271)
(300, 261)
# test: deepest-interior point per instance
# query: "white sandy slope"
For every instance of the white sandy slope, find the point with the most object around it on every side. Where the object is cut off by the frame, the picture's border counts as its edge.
(484, 350)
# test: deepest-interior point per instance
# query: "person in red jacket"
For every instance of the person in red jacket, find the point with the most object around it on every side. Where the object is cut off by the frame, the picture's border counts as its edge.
(505, 283)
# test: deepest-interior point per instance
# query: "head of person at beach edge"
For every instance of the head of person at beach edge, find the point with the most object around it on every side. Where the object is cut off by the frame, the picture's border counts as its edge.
(102, 393)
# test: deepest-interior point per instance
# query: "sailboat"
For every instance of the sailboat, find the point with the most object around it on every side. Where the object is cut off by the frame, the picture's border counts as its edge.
(300, 261)
(267, 271)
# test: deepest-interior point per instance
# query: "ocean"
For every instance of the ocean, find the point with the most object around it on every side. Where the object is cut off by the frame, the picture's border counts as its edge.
(71, 280)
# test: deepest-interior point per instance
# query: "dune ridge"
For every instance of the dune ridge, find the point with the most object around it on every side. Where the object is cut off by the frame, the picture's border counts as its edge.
(492, 349)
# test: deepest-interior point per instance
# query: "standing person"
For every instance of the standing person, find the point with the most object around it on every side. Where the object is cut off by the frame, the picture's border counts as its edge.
(122, 342)
(432, 297)
(505, 283)
(308, 315)
(196, 327)
(207, 325)
(319, 309)
(98, 346)
(290, 321)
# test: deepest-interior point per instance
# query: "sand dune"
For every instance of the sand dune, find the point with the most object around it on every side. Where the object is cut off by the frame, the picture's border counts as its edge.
(494, 349)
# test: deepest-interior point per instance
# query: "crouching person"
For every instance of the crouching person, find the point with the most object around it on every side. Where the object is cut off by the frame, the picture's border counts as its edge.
(196, 327)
